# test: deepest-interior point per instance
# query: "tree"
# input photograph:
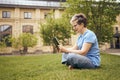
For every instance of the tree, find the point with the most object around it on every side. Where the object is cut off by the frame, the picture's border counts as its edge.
(2, 45)
(101, 15)
(59, 28)
(25, 40)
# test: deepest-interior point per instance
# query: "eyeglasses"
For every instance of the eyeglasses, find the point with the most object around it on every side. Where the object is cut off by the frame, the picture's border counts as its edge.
(75, 25)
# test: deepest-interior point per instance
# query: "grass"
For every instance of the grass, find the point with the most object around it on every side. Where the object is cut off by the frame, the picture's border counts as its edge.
(48, 67)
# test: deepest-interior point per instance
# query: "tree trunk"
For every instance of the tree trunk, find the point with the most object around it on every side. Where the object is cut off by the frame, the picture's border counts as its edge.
(25, 50)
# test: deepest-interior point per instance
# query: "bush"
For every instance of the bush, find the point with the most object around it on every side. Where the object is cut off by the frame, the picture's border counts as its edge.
(24, 41)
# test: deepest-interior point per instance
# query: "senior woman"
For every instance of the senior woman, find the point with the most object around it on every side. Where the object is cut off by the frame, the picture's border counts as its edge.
(85, 53)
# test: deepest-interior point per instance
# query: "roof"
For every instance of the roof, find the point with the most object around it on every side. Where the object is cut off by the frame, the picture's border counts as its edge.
(51, 0)
(30, 3)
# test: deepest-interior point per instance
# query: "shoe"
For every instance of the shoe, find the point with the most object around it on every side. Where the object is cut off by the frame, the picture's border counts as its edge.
(64, 62)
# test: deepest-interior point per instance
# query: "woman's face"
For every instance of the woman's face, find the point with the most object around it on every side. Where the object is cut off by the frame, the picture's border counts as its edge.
(76, 27)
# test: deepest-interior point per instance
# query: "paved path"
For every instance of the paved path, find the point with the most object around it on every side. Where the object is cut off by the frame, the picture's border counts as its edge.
(113, 51)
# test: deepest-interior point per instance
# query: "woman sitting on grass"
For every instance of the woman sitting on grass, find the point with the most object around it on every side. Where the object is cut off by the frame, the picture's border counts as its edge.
(85, 53)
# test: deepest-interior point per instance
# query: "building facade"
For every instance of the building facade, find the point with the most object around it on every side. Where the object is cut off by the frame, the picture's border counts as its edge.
(18, 16)
(116, 37)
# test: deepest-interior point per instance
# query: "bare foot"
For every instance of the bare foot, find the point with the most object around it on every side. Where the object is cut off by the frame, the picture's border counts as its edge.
(70, 67)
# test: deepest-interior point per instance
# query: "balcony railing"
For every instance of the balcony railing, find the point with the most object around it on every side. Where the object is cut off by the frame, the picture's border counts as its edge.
(20, 19)
(7, 19)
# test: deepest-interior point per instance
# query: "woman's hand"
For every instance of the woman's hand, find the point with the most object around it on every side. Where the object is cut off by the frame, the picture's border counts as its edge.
(63, 49)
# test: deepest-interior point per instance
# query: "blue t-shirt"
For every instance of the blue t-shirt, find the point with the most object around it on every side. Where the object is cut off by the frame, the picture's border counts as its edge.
(94, 53)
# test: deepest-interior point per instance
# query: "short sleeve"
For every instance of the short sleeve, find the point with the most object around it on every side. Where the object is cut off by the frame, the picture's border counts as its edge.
(90, 38)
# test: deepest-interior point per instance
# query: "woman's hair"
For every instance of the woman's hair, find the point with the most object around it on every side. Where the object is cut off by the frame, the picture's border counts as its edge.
(80, 18)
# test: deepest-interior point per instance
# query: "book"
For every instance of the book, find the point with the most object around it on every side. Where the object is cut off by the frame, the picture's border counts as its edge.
(56, 42)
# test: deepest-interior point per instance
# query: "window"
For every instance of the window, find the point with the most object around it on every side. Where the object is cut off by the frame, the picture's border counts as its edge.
(27, 15)
(116, 28)
(27, 29)
(47, 15)
(5, 32)
(5, 14)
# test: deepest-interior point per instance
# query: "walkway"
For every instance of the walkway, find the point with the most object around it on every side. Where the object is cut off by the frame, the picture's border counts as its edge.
(113, 51)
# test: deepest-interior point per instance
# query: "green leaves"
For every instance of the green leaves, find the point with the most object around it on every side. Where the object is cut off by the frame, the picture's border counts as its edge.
(55, 27)
(101, 15)
(25, 40)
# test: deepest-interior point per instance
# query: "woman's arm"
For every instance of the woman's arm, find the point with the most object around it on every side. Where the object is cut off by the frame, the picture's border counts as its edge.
(63, 49)
(75, 47)
(83, 51)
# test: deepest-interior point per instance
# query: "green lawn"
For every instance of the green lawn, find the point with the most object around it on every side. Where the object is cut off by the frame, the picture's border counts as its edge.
(49, 67)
